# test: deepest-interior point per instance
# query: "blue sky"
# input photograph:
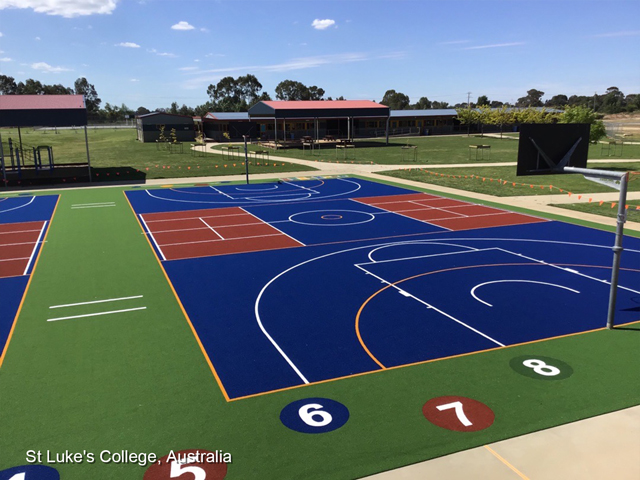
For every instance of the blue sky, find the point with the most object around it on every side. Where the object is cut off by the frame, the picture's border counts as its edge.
(153, 52)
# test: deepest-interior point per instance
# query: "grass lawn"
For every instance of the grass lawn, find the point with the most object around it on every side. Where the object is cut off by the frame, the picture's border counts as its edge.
(490, 180)
(605, 209)
(434, 150)
(116, 152)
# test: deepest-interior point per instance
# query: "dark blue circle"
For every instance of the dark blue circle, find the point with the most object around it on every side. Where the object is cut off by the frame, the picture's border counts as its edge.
(33, 472)
(315, 410)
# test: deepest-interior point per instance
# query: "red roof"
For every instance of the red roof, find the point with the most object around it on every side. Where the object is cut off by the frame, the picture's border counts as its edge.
(41, 102)
(321, 104)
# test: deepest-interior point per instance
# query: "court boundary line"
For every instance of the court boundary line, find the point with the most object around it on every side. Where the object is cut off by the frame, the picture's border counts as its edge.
(35, 247)
(184, 311)
(26, 289)
(151, 235)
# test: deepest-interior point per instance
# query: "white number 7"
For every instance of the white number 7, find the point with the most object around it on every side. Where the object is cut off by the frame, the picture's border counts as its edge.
(457, 406)
(177, 471)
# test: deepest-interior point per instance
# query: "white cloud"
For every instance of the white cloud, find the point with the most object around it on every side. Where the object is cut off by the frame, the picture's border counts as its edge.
(6, 59)
(135, 80)
(45, 67)
(322, 24)
(37, 38)
(205, 30)
(64, 8)
(1, 35)
(454, 42)
(165, 54)
(128, 45)
(495, 45)
(188, 69)
(182, 26)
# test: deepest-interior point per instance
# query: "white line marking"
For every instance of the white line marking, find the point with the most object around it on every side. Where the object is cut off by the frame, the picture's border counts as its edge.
(195, 218)
(87, 204)
(96, 301)
(20, 206)
(20, 243)
(92, 206)
(428, 305)
(401, 215)
(211, 228)
(473, 250)
(20, 231)
(515, 281)
(222, 240)
(152, 237)
(221, 192)
(371, 215)
(417, 242)
(13, 259)
(275, 228)
(299, 186)
(575, 272)
(35, 247)
(96, 314)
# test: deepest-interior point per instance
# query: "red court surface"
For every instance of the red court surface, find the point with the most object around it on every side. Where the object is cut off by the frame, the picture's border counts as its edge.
(448, 213)
(18, 242)
(220, 231)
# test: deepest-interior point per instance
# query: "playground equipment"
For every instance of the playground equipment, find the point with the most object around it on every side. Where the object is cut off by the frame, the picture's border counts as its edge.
(22, 157)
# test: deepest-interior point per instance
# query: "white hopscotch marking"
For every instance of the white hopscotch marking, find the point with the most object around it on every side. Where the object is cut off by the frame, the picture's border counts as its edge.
(96, 301)
(211, 228)
(95, 314)
(275, 228)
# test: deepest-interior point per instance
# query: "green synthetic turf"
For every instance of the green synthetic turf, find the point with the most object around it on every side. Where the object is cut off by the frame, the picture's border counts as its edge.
(490, 180)
(445, 149)
(117, 152)
(139, 381)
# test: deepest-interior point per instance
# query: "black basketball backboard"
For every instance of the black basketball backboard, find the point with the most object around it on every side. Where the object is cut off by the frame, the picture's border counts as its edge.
(546, 149)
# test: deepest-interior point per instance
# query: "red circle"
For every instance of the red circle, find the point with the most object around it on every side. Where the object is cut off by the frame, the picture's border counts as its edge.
(161, 470)
(455, 413)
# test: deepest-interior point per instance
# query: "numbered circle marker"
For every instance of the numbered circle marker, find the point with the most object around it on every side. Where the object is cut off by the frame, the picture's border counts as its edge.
(460, 414)
(541, 367)
(30, 472)
(192, 464)
(314, 415)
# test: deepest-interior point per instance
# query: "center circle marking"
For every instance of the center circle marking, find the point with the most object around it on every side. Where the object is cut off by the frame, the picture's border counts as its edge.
(324, 218)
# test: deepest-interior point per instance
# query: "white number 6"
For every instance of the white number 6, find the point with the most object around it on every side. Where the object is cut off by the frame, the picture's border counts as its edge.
(307, 416)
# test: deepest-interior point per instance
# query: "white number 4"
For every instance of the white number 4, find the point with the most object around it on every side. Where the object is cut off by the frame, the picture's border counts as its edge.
(177, 470)
(457, 406)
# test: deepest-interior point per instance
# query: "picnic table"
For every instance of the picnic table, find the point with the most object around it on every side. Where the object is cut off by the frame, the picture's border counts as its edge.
(481, 149)
(261, 153)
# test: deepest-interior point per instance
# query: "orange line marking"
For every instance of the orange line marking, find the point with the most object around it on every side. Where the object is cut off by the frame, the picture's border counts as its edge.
(186, 316)
(24, 296)
(514, 469)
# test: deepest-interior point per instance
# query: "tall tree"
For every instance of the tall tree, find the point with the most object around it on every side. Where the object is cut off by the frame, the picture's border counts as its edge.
(235, 95)
(482, 101)
(8, 85)
(142, 111)
(423, 104)
(30, 87)
(581, 114)
(83, 87)
(533, 99)
(395, 100)
(293, 90)
(439, 105)
(558, 101)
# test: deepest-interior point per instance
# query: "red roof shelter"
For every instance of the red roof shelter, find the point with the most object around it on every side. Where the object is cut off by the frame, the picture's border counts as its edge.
(319, 110)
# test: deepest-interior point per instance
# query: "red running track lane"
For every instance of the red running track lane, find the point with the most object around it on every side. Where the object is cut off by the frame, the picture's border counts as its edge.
(448, 213)
(220, 231)
(18, 242)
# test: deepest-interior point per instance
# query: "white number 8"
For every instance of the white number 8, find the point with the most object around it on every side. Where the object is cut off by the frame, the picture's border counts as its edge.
(541, 368)
(307, 416)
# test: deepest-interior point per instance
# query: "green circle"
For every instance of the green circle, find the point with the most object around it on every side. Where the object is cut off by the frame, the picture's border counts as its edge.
(541, 367)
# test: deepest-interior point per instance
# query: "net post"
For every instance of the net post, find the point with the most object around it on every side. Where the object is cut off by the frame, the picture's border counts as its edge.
(246, 158)
(86, 142)
(617, 249)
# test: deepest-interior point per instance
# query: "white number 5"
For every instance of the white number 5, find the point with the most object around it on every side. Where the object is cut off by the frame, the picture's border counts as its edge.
(177, 470)
(457, 406)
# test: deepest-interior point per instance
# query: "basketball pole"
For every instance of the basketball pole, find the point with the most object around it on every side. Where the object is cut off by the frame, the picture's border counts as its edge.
(622, 217)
